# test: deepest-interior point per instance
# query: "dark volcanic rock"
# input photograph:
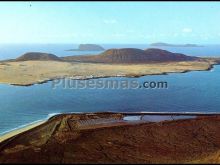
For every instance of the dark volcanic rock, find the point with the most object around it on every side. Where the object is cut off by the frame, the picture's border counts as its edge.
(132, 55)
(79, 139)
(163, 55)
(31, 56)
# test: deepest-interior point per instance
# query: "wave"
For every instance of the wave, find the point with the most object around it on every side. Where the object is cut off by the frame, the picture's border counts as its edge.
(53, 114)
(20, 127)
(34, 122)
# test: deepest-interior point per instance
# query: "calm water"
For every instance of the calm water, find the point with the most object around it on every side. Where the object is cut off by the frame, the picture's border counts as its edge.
(194, 91)
(8, 51)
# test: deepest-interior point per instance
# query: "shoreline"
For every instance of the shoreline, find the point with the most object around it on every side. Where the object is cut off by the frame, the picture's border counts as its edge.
(115, 76)
(67, 137)
(17, 131)
(21, 129)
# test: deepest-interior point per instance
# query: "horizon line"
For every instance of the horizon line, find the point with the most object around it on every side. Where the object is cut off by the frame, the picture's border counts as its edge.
(109, 43)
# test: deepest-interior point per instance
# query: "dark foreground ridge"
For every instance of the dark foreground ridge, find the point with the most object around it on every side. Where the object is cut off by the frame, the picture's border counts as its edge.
(132, 55)
(108, 138)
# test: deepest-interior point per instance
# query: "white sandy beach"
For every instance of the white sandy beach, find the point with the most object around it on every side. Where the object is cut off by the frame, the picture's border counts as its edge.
(20, 130)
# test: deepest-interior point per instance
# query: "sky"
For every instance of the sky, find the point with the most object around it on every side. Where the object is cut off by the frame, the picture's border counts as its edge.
(110, 22)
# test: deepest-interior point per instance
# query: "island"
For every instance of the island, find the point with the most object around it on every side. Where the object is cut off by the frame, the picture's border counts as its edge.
(88, 47)
(161, 44)
(33, 68)
(106, 137)
(110, 137)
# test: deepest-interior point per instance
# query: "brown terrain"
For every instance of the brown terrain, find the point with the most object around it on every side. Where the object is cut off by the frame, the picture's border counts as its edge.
(32, 72)
(33, 56)
(35, 67)
(132, 55)
(107, 138)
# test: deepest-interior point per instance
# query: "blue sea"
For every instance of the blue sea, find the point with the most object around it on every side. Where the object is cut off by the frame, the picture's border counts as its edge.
(9, 51)
(196, 91)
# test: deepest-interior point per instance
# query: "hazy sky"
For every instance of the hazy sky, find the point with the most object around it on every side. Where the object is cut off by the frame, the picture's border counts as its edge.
(110, 22)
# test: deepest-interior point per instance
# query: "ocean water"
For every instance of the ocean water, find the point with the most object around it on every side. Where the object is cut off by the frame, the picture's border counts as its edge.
(196, 91)
(10, 51)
